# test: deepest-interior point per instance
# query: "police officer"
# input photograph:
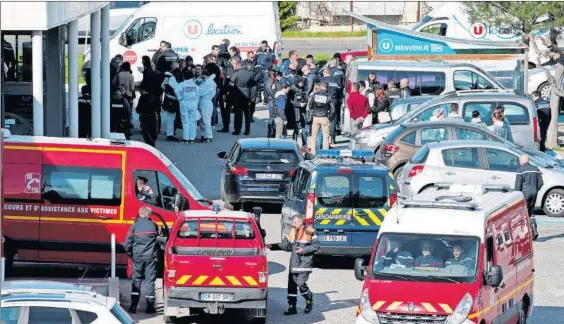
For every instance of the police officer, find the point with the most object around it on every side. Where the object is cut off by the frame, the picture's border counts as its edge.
(302, 242)
(322, 113)
(141, 246)
(165, 60)
(188, 95)
(529, 182)
(299, 103)
(545, 115)
(338, 74)
(393, 92)
(120, 116)
(333, 89)
(149, 105)
(84, 113)
(242, 83)
(250, 64)
(265, 61)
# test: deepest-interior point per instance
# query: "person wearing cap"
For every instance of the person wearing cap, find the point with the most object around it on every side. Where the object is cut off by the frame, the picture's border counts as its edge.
(303, 243)
(144, 192)
(426, 259)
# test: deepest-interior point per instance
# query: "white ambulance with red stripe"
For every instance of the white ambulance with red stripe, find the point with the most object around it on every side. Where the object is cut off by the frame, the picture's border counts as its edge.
(455, 254)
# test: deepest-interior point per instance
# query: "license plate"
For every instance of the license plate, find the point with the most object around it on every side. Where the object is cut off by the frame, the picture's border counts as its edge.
(269, 176)
(333, 238)
(216, 297)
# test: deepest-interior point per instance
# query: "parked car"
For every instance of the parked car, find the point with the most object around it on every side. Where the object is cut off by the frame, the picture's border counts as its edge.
(539, 82)
(520, 111)
(255, 169)
(41, 302)
(408, 138)
(479, 162)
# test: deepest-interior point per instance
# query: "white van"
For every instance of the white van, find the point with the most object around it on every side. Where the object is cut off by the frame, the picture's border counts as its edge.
(193, 28)
(425, 78)
(449, 19)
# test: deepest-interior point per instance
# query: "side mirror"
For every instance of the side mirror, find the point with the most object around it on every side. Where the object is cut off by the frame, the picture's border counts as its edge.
(123, 39)
(308, 156)
(222, 155)
(359, 269)
(494, 277)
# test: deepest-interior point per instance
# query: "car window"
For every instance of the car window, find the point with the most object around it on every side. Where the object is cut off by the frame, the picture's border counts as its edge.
(296, 181)
(372, 192)
(268, 157)
(82, 185)
(168, 191)
(244, 231)
(86, 317)
(49, 315)
(499, 160)
(121, 315)
(141, 30)
(428, 113)
(468, 80)
(208, 229)
(516, 114)
(421, 155)
(420, 82)
(10, 315)
(462, 158)
(188, 229)
(302, 184)
(469, 134)
(435, 29)
(334, 191)
(409, 138)
(433, 134)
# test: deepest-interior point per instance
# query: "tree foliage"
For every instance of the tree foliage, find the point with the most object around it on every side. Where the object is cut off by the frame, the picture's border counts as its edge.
(527, 18)
(287, 14)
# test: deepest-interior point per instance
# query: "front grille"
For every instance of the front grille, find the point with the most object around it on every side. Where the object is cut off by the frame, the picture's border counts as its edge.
(396, 318)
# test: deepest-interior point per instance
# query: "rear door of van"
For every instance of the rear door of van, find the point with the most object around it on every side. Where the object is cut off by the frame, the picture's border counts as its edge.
(218, 252)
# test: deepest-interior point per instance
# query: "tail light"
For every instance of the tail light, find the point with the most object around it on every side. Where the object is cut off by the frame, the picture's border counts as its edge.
(292, 172)
(310, 202)
(239, 170)
(390, 149)
(263, 272)
(415, 171)
(345, 170)
(536, 130)
(393, 199)
(170, 268)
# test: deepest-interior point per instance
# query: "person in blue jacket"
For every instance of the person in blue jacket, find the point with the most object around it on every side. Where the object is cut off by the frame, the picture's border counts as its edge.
(188, 94)
(292, 57)
(277, 112)
(207, 93)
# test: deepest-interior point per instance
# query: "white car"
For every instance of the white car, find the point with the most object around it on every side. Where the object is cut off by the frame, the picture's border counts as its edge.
(61, 303)
(539, 82)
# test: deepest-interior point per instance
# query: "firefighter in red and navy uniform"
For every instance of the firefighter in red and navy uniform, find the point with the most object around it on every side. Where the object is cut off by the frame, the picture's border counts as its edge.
(302, 242)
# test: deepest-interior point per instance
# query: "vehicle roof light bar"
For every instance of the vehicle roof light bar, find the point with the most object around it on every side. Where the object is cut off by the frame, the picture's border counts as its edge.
(439, 204)
(335, 154)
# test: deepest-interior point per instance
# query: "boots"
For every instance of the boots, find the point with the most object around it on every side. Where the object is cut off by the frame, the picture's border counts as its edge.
(309, 304)
(291, 310)
(150, 307)
(534, 228)
(134, 302)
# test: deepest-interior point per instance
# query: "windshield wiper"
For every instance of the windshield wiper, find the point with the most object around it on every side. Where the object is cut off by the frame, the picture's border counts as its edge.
(393, 275)
(442, 278)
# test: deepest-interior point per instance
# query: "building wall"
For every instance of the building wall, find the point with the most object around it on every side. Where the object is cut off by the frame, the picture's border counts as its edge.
(43, 15)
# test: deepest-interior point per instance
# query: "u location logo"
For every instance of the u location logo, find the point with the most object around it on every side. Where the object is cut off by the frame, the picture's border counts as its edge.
(478, 30)
(386, 45)
(192, 29)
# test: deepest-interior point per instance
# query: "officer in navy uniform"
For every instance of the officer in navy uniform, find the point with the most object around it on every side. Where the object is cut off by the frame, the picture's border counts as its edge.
(333, 89)
(141, 246)
(120, 116)
(265, 61)
(85, 113)
(545, 115)
(529, 181)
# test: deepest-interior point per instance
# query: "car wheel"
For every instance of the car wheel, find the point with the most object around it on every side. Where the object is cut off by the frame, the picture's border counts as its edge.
(398, 173)
(554, 203)
(544, 89)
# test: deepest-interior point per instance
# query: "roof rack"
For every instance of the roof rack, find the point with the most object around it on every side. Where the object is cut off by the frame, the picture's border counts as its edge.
(346, 157)
(452, 204)
(479, 189)
(486, 91)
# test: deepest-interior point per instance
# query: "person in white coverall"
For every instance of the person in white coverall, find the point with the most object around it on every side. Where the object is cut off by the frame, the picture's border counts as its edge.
(188, 95)
(207, 92)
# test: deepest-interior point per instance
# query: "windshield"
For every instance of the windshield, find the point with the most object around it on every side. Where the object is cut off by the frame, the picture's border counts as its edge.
(268, 157)
(491, 77)
(532, 158)
(347, 190)
(426, 257)
(121, 27)
(185, 183)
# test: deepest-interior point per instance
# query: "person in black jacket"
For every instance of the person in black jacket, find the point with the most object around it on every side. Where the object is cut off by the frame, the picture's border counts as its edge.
(149, 105)
(141, 246)
(242, 83)
(250, 64)
(163, 47)
(299, 102)
(545, 115)
(166, 59)
(529, 182)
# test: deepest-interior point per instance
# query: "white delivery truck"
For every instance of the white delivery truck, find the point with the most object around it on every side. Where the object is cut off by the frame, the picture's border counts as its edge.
(193, 28)
(449, 19)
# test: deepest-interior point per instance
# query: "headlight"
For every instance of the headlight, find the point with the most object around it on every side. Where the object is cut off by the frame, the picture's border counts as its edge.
(366, 310)
(460, 314)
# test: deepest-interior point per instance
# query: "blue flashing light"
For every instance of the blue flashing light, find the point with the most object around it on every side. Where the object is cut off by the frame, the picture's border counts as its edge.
(216, 208)
(335, 154)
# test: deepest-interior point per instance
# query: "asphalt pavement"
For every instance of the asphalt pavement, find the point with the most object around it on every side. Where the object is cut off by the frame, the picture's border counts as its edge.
(336, 291)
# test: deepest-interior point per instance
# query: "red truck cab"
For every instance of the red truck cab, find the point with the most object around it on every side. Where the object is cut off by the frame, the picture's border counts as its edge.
(451, 256)
(215, 260)
(63, 198)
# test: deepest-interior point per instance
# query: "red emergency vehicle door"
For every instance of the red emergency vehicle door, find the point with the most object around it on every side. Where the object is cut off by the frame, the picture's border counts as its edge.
(82, 204)
(21, 188)
(219, 253)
